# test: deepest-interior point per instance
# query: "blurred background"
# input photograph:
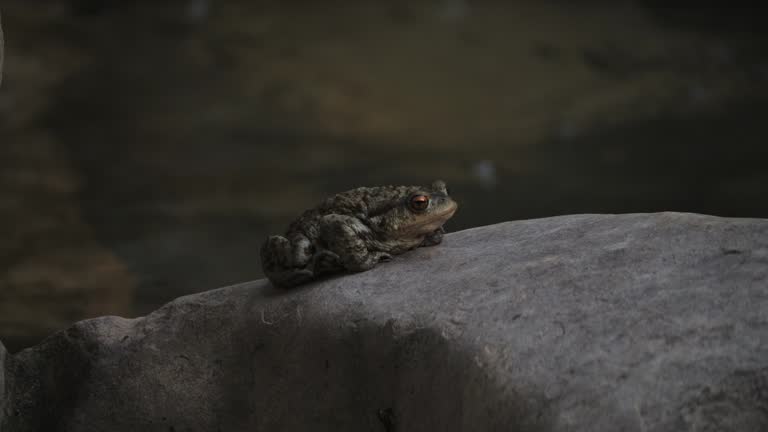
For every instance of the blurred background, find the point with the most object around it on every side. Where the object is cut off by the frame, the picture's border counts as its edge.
(148, 147)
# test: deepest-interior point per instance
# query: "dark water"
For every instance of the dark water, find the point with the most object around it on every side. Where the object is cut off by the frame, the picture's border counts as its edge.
(154, 146)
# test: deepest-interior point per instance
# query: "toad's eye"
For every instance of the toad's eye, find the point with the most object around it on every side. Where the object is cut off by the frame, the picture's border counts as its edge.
(419, 202)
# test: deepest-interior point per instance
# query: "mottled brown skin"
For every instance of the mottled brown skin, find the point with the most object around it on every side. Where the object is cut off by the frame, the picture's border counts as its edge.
(355, 230)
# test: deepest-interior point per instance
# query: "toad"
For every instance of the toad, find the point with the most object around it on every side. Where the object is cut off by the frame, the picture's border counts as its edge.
(354, 230)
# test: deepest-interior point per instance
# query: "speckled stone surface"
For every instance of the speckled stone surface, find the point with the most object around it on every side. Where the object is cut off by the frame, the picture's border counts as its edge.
(575, 323)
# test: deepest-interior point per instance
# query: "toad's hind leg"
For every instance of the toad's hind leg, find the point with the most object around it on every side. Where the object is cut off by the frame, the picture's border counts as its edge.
(349, 239)
(326, 262)
(283, 263)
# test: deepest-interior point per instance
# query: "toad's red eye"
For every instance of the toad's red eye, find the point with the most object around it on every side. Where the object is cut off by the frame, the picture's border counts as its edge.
(419, 202)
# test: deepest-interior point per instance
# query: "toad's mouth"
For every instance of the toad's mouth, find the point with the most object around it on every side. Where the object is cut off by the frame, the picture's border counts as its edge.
(430, 222)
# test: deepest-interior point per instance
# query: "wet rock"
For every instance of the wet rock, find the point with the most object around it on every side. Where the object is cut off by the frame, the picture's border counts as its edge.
(578, 323)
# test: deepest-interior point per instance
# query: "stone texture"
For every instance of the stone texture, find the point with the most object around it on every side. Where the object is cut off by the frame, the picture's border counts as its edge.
(577, 323)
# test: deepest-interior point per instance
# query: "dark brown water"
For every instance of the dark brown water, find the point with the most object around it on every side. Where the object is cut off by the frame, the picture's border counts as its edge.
(148, 149)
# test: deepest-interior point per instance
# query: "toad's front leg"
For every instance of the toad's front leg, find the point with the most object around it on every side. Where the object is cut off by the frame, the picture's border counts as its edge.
(349, 239)
(434, 238)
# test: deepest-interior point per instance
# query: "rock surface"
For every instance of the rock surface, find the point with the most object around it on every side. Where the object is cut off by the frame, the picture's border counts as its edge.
(576, 323)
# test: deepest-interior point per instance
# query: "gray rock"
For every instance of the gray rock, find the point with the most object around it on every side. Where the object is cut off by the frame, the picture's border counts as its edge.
(578, 323)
